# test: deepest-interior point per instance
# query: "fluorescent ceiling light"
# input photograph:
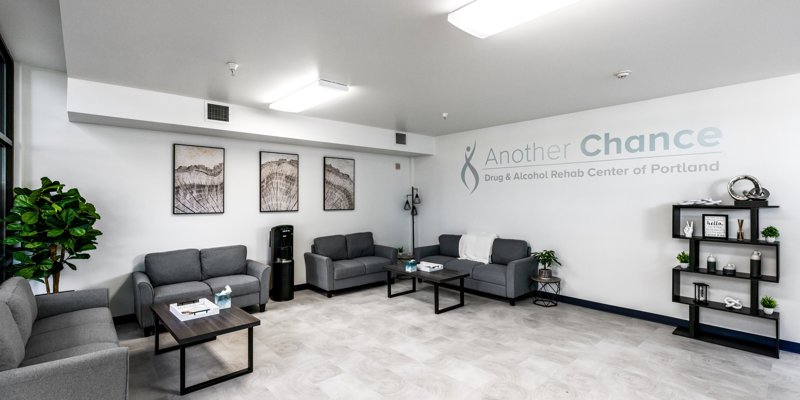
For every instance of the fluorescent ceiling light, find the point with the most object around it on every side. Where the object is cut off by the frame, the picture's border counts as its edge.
(484, 18)
(310, 96)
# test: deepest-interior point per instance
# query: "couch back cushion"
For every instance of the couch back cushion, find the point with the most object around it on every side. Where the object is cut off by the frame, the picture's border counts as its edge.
(173, 266)
(17, 294)
(12, 348)
(448, 245)
(334, 247)
(505, 251)
(360, 245)
(223, 261)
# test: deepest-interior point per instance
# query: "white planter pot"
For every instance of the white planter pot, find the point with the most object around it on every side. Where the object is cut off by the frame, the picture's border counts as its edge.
(769, 311)
(684, 265)
(770, 239)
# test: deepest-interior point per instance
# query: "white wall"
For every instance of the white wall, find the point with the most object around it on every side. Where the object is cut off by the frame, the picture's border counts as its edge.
(613, 233)
(126, 173)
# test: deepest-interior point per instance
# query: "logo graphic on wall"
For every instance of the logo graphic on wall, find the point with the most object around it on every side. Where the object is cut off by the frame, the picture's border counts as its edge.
(468, 153)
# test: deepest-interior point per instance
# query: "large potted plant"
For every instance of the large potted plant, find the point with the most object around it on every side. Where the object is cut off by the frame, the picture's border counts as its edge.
(49, 228)
(546, 259)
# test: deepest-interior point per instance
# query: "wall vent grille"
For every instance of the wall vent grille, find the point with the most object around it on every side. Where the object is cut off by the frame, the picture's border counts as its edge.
(400, 138)
(218, 112)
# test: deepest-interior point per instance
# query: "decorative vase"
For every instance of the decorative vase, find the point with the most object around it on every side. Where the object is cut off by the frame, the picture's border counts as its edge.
(755, 264)
(684, 265)
(769, 311)
(545, 273)
(711, 264)
(770, 239)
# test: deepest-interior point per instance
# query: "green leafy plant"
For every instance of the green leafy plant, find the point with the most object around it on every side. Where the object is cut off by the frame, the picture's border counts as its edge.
(49, 228)
(683, 257)
(400, 249)
(771, 231)
(768, 302)
(546, 258)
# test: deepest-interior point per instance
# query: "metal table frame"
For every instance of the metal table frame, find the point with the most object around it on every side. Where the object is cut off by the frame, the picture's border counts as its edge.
(545, 295)
(413, 289)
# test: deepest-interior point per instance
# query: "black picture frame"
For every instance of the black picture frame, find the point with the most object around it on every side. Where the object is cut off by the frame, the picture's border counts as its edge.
(292, 199)
(721, 231)
(198, 200)
(338, 184)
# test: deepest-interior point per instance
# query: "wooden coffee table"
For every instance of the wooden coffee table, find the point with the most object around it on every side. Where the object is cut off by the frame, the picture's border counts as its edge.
(436, 278)
(201, 330)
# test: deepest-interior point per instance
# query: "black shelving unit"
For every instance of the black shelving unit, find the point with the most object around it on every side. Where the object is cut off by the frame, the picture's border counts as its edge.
(694, 330)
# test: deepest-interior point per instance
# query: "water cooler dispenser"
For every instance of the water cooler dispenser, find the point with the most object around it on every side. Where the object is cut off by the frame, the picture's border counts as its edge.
(281, 257)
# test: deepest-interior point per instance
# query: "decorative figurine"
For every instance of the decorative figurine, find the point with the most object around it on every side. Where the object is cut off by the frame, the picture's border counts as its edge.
(689, 229)
(740, 234)
(756, 194)
(755, 264)
(730, 302)
(711, 264)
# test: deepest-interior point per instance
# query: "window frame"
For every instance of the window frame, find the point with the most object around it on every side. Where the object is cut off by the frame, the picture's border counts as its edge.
(7, 144)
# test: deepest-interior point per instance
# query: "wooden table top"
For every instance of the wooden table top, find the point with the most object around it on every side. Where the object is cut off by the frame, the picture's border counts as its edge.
(436, 276)
(228, 320)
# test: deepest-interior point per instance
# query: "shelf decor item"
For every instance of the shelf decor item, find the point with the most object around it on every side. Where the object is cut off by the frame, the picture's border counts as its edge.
(756, 195)
(711, 264)
(689, 229)
(771, 233)
(700, 293)
(755, 264)
(198, 179)
(729, 269)
(730, 302)
(683, 259)
(740, 234)
(715, 226)
(546, 259)
(339, 184)
(769, 304)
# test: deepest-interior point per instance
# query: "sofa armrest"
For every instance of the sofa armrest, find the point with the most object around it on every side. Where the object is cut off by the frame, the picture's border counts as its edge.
(319, 271)
(518, 276)
(98, 375)
(143, 295)
(386, 252)
(263, 273)
(59, 303)
(426, 251)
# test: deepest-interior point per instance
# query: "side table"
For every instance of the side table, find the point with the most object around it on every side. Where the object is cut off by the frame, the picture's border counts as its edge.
(545, 290)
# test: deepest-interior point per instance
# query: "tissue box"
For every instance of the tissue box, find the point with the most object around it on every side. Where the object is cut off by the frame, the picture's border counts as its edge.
(411, 266)
(223, 301)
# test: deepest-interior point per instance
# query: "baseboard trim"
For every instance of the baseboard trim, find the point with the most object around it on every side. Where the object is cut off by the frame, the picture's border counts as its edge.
(302, 286)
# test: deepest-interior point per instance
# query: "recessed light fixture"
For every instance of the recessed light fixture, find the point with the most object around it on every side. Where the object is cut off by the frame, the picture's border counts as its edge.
(310, 96)
(623, 74)
(232, 66)
(484, 18)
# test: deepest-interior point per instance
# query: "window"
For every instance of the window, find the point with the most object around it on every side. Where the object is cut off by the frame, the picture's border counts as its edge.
(6, 146)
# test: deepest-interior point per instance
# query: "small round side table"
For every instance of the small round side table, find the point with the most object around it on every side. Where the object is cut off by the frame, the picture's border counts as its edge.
(545, 290)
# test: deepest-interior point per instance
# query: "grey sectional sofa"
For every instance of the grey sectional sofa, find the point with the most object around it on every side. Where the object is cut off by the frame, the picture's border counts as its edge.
(344, 261)
(59, 346)
(507, 275)
(190, 274)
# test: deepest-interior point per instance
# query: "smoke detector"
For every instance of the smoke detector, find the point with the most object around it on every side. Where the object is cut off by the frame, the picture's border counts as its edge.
(623, 74)
(232, 66)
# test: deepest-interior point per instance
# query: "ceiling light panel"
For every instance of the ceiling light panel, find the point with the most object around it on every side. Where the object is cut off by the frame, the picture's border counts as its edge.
(484, 18)
(310, 96)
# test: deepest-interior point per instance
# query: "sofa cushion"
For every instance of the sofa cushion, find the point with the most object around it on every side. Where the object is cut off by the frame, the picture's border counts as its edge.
(438, 259)
(69, 337)
(360, 245)
(347, 269)
(75, 318)
(12, 348)
(240, 284)
(17, 294)
(222, 261)
(505, 251)
(492, 273)
(69, 352)
(463, 266)
(173, 266)
(373, 264)
(448, 245)
(334, 247)
(180, 291)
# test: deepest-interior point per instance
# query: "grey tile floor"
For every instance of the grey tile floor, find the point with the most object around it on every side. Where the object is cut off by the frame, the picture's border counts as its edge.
(362, 345)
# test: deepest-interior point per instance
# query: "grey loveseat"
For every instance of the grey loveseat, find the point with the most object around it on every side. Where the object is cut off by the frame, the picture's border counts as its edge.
(507, 275)
(190, 274)
(344, 261)
(59, 346)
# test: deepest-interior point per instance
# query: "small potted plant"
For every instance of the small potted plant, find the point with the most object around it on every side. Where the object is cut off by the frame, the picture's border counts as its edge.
(769, 304)
(683, 258)
(546, 259)
(771, 233)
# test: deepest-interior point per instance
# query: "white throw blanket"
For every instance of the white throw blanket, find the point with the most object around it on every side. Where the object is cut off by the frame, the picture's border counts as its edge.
(476, 247)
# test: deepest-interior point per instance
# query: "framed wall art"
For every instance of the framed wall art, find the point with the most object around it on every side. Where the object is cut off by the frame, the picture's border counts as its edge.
(715, 226)
(339, 190)
(198, 179)
(278, 181)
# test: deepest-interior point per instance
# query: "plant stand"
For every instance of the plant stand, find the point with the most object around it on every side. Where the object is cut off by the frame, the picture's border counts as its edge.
(545, 290)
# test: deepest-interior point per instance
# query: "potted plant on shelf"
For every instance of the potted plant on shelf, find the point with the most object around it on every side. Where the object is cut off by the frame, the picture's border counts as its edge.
(49, 228)
(769, 304)
(683, 258)
(771, 233)
(546, 259)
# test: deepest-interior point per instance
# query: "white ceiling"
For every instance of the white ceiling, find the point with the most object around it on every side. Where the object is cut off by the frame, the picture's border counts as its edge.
(407, 65)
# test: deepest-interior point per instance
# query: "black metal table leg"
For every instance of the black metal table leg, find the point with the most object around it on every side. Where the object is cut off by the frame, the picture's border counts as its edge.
(436, 308)
(183, 370)
(155, 328)
(223, 378)
(389, 287)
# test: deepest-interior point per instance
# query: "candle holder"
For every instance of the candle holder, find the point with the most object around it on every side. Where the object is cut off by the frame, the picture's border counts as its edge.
(700, 293)
(740, 234)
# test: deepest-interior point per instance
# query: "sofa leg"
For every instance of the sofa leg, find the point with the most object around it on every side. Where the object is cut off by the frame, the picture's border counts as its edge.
(513, 302)
(262, 307)
(329, 294)
(148, 331)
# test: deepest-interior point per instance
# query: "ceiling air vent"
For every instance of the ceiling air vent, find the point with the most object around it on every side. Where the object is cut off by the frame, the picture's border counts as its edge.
(218, 112)
(400, 138)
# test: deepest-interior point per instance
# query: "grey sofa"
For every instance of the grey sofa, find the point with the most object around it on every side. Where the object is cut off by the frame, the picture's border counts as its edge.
(190, 274)
(507, 275)
(59, 346)
(344, 261)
